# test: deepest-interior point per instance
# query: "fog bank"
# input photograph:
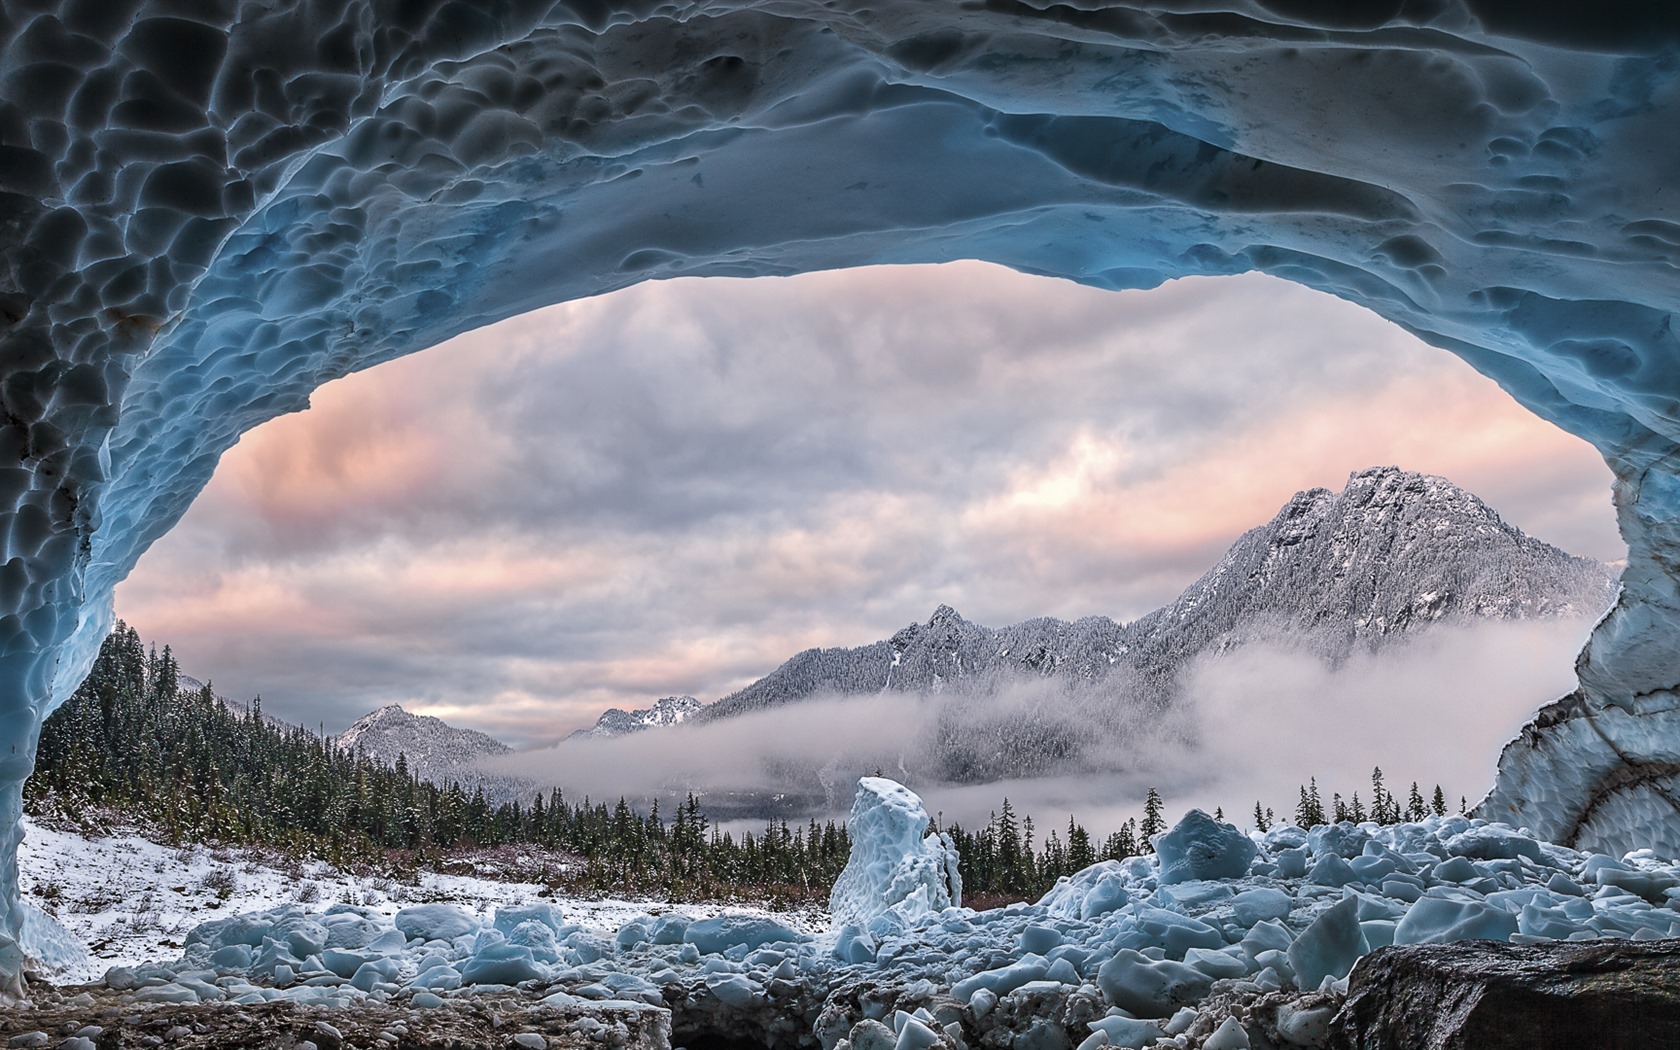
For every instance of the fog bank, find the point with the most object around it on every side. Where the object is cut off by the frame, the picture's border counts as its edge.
(1251, 724)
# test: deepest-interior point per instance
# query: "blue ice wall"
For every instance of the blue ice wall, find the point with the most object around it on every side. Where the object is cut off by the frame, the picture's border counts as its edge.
(209, 209)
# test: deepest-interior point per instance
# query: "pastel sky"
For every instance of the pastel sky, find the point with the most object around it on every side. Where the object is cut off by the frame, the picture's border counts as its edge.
(674, 488)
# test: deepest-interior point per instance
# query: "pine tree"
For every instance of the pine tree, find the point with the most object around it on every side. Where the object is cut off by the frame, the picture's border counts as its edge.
(1261, 823)
(1128, 844)
(1438, 802)
(1415, 810)
(1153, 823)
(1338, 808)
(1356, 810)
(1219, 813)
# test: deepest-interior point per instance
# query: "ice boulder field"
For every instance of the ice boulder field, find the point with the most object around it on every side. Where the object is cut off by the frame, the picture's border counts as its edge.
(1222, 939)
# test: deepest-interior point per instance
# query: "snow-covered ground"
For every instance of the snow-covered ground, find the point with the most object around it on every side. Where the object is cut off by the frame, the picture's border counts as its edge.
(131, 901)
(1146, 952)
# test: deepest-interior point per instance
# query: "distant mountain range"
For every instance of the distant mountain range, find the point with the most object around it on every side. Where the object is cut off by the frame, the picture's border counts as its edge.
(1392, 554)
(616, 722)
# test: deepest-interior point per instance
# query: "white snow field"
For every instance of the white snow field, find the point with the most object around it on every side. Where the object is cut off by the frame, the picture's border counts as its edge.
(1121, 953)
(125, 900)
(210, 210)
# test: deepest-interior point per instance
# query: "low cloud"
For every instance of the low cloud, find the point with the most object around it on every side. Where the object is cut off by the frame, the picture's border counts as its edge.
(1251, 725)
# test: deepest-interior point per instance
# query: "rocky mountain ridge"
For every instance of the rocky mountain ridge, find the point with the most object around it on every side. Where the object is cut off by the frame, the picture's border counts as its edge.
(614, 721)
(431, 748)
(1393, 552)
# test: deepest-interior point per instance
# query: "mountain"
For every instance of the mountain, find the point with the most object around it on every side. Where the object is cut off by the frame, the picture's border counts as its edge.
(616, 722)
(188, 684)
(432, 749)
(1391, 553)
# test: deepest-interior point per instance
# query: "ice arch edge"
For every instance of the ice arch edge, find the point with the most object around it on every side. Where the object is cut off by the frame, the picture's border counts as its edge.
(207, 210)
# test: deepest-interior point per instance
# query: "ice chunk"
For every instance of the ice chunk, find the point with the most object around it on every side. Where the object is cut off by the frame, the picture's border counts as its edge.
(735, 990)
(1150, 987)
(853, 945)
(722, 932)
(509, 916)
(1199, 847)
(1493, 842)
(1304, 1026)
(44, 940)
(1436, 920)
(1130, 1032)
(1260, 904)
(1345, 840)
(1330, 946)
(435, 922)
(1150, 927)
(1331, 870)
(1088, 893)
(501, 963)
(1004, 979)
(895, 866)
(1228, 1036)
(669, 929)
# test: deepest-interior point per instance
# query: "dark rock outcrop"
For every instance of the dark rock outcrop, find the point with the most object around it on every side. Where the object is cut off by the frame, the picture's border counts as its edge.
(1486, 995)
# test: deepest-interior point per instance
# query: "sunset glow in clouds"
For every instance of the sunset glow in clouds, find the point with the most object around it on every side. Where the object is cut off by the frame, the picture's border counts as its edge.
(674, 488)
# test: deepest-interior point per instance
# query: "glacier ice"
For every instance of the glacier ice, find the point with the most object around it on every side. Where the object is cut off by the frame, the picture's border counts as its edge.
(1199, 848)
(897, 870)
(1129, 970)
(208, 215)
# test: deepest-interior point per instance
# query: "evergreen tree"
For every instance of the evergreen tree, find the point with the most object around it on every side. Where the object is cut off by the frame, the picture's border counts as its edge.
(1309, 811)
(1415, 809)
(1153, 823)
(1438, 802)
(1262, 822)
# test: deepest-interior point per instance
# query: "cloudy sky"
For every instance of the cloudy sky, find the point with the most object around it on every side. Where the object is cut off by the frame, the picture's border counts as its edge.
(674, 488)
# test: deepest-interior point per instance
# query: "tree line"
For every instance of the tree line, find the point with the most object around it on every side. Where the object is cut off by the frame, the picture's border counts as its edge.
(132, 743)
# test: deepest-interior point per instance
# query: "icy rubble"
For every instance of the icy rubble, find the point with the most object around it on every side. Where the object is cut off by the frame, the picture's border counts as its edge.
(1120, 954)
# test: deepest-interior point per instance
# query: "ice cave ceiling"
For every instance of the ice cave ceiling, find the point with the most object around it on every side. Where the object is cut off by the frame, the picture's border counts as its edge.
(210, 208)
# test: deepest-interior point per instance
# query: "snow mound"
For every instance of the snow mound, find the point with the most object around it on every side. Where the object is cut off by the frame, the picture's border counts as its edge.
(896, 867)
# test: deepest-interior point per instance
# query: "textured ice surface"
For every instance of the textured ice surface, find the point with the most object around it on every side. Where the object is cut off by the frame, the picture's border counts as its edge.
(1127, 970)
(1199, 848)
(896, 868)
(208, 212)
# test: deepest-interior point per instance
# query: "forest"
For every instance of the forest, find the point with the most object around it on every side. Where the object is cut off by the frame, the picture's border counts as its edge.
(131, 747)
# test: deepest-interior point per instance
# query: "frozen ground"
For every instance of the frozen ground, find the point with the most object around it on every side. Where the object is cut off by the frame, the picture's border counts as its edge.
(130, 900)
(1222, 940)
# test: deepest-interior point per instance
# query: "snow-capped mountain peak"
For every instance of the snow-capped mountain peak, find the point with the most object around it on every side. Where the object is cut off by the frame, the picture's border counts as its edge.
(667, 711)
(432, 748)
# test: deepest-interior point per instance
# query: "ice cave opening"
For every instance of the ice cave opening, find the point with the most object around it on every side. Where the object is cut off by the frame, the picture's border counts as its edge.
(208, 214)
(677, 487)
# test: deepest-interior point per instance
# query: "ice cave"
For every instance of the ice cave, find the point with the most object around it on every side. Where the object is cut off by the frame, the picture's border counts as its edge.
(211, 208)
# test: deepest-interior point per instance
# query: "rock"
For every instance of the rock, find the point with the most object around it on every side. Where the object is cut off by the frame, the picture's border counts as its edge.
(1485, 995)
